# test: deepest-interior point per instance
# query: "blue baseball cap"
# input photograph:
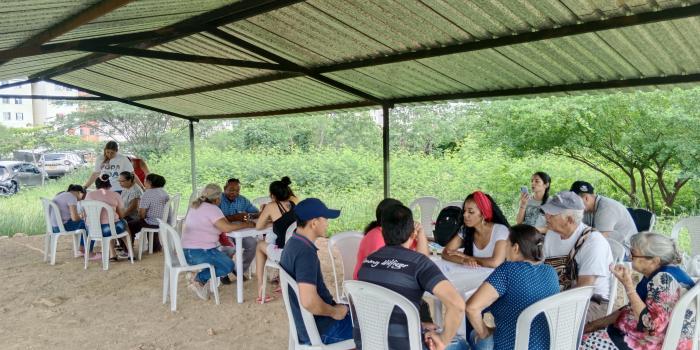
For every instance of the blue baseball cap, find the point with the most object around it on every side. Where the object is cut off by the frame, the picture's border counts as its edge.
(311, 208)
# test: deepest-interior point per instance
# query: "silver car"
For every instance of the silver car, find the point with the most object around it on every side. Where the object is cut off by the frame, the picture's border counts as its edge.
(59, 163)
(20, 174)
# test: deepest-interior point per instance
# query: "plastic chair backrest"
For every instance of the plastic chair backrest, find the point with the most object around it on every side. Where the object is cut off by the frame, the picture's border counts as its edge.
(618, 252)
(290, 231)
(372, 306)
(171, 245)
(617, 249)
(287, 282)
(92, 217)
(193, 196)
(51, 208)
(429, 207)
(689, 300)
(692, 224)
(566, 315)
(347, 243)
(174, 209)
(257, 202)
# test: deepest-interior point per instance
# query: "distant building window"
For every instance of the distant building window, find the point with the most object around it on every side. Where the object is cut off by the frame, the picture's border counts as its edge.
(6, 116)
(19, 116)
(6, 100)
(18, 101)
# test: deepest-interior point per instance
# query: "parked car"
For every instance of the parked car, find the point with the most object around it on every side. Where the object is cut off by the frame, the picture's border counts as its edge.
(13, 175)
(57, 164)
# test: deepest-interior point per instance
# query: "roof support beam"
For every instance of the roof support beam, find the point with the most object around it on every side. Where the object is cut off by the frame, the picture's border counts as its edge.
(95, 11)
(18, 83)
(613, 84)
(221, 16)
(181, 57)
(545, 34)
(118, 99)
(60, 98)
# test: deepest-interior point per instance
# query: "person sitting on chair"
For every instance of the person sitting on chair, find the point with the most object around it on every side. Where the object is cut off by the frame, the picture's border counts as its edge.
(152, 206)
(606, 215)
(411, 274)
(237, 208)
(69, 215)
(300, 260)
(105, 194)
(484, 235)
(643, 322)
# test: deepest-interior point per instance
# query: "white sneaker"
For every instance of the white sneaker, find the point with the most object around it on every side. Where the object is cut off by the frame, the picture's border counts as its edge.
(202, 292)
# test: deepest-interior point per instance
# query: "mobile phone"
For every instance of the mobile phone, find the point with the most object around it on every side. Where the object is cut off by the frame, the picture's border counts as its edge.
(523, 189)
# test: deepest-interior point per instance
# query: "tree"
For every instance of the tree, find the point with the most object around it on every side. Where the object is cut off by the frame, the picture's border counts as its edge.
(145, 132)
(650, 137)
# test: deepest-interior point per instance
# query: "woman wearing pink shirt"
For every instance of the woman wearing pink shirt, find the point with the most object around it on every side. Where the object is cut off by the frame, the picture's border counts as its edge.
(105, 194)
(200, 237)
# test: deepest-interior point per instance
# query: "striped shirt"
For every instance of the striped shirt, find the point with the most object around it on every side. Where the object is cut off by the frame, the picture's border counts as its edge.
(405, 272)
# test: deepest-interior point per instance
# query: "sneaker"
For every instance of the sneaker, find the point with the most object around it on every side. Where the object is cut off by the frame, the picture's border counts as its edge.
(201, 291)
(225, 280)
(122, 254)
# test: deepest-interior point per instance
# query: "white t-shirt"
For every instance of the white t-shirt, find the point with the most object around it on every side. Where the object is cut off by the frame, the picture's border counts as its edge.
(498, 233)
(593, 258)
(115, 166)
(611, 216)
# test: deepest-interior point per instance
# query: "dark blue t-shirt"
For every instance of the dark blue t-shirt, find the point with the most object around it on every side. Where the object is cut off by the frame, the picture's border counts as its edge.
(519, 285)
(300, 260)
(405, 272)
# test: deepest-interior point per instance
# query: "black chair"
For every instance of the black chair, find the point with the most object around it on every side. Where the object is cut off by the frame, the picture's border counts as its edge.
(643, 219)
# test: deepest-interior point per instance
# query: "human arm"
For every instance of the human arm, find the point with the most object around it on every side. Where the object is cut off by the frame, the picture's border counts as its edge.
(421, 240)
(601, 322)
(454, 305)
(313, 303)
(498, 257)
(450, 252)
(91, 179)
(224, 225)
(74, 215)
(265, 218)
(480, 300)
(624, 275)
(520, 217)
(132, 207)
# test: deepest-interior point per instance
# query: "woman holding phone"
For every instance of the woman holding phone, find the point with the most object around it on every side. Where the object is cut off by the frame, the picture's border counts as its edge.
(529, 212)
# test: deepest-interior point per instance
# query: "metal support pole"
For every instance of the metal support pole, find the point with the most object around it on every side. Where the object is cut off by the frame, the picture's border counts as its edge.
(385, 148)
(193, 170)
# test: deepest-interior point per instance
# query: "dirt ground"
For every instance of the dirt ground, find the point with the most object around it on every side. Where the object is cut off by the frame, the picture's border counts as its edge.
(66, 307)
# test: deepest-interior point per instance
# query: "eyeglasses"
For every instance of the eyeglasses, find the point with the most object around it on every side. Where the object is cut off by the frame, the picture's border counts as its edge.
(641, 256)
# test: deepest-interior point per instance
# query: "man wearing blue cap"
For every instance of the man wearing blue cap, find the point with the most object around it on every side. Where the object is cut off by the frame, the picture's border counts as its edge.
(300, 260)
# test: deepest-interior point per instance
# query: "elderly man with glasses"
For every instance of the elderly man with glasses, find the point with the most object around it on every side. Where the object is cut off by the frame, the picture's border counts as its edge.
(586, 250)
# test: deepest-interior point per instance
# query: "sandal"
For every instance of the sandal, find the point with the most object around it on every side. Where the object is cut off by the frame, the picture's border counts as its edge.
(268, 299)
(114, 258)
(97, 256)
(278, 289)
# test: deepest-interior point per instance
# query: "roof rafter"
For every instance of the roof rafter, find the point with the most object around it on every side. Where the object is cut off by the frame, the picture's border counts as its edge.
(53, 97)
(624, 83)
(181, 57)
(545, 34)
(211, 19)
(118, 99)
(97, 10)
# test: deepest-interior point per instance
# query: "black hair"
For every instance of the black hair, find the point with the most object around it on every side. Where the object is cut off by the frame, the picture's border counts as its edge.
(112, 145)
(77, 188)
(286, 180)
(385, 203)
(129, 176)
(301, 223)
(529, 240)
(546, 180)
(397, 224)
(156, 180)
(103, 182)
(280, 189)
(498, 218)
(233, 180)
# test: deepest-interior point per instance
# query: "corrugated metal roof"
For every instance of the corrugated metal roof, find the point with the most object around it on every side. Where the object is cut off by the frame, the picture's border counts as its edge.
(318, 33)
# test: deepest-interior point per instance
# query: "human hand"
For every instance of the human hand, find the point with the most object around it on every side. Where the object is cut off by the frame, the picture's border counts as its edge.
(623, 274)
(339, 312)
(469, 261)
(524, 197)
(434, 341)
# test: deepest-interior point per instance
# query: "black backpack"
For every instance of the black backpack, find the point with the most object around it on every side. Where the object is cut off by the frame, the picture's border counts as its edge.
(449, 221)
(280, 226)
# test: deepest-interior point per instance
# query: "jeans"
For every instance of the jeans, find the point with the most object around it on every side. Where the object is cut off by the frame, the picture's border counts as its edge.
(338, 331)
(222, 263)
(71, 225)
(481, 344)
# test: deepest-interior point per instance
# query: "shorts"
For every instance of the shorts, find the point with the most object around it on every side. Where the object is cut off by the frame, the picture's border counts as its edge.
(273, 252)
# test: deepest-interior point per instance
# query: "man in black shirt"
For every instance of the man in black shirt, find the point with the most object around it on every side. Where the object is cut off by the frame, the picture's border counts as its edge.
(410, 274)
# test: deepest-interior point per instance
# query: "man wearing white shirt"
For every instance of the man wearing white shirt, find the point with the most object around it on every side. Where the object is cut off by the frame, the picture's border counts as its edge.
(564, 213)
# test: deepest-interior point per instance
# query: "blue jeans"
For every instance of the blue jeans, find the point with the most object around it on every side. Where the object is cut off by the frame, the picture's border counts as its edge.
(457, 343)
(71, 225)
(221, 262)
(338, 331)
(119, 225)
(481, 344)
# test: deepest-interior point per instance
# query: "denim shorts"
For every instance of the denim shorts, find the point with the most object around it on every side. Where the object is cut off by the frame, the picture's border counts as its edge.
(119, 225)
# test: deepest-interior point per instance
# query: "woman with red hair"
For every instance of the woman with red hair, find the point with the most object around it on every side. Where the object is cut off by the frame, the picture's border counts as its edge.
(484, 235)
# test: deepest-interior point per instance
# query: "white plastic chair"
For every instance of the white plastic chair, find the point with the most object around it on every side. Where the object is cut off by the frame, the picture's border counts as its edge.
(258, 202)
(94, 230)
(428, 207)
(287, 282)
(174, 209)
(692, 224)
(146, 234)
(458, 204)
(347, 243)
(618, 253)
(175, 263)
(372, 306)
(273, 264)
(50, 238)
(689, 300)
(566, 315)
(181, 219)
